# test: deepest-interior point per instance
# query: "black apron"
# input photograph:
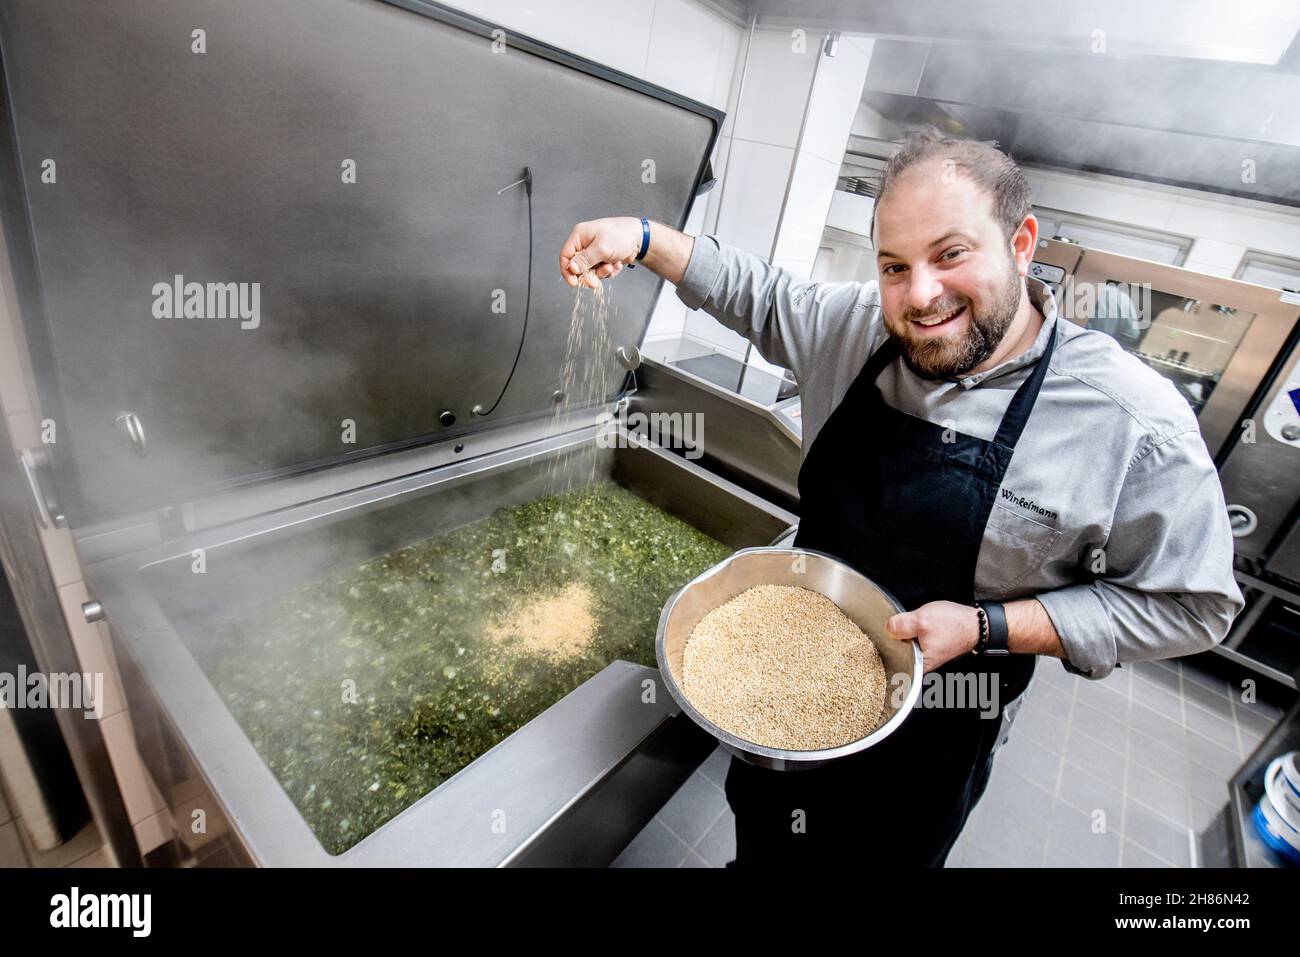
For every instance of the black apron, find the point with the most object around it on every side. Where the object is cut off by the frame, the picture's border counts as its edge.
(883, 491)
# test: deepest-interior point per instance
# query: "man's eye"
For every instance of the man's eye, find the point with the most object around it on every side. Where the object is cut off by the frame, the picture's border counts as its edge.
(952, 253)
(889, 270)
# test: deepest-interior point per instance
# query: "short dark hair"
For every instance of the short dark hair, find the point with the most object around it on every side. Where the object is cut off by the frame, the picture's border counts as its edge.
(985, 164)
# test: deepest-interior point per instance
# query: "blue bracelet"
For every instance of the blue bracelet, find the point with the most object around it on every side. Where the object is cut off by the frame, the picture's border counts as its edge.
(645, 241)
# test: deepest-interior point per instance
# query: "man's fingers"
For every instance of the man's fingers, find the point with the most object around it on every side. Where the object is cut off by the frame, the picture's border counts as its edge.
(902, 626)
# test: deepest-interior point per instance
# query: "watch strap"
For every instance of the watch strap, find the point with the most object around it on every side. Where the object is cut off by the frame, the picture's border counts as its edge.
(999, 635)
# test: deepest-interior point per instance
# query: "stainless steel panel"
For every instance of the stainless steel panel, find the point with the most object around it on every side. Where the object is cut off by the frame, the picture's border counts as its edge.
(1254, 353)
(1264, 477)
(555, 766)
(375, 297)
(1285, 561)
(742, 440)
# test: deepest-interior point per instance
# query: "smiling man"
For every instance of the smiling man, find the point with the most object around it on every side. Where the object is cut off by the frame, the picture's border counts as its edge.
(1022, 485)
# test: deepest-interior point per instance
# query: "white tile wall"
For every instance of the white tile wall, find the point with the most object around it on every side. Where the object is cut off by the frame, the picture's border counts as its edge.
(677, 44)
(836, 100)
(806, 210)
(752, 204)
(693, 51)
(776, 88)
(618, 36)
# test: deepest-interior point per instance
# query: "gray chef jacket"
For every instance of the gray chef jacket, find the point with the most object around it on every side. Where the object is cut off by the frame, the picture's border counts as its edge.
(1110, 514)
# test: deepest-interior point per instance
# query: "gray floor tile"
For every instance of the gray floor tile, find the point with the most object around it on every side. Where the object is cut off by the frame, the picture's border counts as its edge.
(1156, 833)
(1170, 798)
(1149, 673)
(1055, 676)
(1106, 695)
(1088, 794)
(655, 846)
(1134, 856)
(1030, 760)
(1169, 664)
(718, 846)
(1048, 730)
(1008, 827)
(1151, 698)
(1096, 758)
(1262, 709)
(693, 809)
(1191, 672)
(1222, 731)
(5, 814)
(694, 860)
(1121, 680)
(1259, 726)
(1206, 785)
(1165, 757)
(11, 847)
(1158, 725)
(1210, 756)
(1204, 813)
(1073, 842)
(1211, 701)
(1048, 702)
(716, 765)
(1024, 851)
(1109, 728)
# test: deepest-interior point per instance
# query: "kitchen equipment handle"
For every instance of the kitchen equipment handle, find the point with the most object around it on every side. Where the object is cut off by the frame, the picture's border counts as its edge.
(32, 460)
(130, 423)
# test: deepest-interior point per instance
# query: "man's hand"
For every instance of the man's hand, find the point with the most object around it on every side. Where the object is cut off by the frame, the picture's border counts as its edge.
(944, 629)
(602, 246)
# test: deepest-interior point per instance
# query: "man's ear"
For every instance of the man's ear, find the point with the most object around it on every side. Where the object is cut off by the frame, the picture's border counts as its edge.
(1024, 242)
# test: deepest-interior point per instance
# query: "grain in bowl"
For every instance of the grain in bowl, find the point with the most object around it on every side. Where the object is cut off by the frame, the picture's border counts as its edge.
(783, 667)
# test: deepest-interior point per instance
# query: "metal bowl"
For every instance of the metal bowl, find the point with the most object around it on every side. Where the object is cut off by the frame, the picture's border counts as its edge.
(867, 604)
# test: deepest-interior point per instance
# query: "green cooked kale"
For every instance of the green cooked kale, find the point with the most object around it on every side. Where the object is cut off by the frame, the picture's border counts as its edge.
(367, 688)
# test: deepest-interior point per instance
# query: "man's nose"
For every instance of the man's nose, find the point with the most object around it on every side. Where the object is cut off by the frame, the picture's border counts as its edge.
(923, 288)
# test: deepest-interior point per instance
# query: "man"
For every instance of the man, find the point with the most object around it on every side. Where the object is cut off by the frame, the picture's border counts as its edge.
(1022, 485)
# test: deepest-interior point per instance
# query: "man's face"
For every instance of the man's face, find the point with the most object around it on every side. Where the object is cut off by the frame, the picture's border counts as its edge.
(949, 282)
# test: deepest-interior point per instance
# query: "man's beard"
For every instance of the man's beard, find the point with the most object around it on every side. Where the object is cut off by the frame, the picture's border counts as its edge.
(942, 357)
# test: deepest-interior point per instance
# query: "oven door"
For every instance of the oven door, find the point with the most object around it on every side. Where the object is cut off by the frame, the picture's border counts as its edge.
(1216, 339)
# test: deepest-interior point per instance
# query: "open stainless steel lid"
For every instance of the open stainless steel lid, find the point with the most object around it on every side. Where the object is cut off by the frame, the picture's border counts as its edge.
(289, 242)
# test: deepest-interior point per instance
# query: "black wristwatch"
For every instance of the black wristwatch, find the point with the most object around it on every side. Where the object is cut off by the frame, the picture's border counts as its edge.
(993, 629)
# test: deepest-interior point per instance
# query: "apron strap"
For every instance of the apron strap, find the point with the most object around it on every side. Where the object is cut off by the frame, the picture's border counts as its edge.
(1022, 403)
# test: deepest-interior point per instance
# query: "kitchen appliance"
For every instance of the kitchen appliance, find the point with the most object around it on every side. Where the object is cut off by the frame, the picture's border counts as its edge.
(867, 604)
(289, 310)
(752, 418)
(1216, 339)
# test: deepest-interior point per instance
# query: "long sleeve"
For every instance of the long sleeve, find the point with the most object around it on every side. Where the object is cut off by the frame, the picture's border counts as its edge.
(1167, 587)
(792, 322)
